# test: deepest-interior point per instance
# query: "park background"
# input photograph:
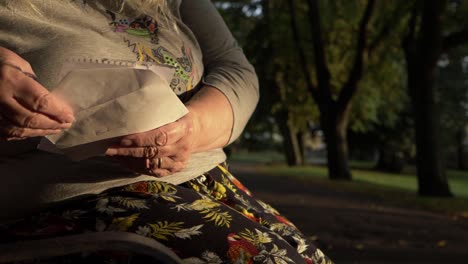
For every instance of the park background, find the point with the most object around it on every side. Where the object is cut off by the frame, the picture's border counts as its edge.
(361, 132)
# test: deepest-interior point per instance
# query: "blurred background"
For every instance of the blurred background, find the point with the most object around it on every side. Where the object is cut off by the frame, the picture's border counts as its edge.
(362, 123)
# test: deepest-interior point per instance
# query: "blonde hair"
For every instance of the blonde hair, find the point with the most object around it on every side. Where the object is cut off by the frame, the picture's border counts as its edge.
(143, 6)
(158, 9)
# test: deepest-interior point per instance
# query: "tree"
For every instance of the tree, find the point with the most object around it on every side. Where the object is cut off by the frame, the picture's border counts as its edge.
(334, 111)
(273, 48)
(290, 104)
(423, 45)
(283, 93)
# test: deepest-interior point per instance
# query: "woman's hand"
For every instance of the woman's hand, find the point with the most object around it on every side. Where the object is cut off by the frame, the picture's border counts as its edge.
(165, 150)
(27, 109)
(158, 152)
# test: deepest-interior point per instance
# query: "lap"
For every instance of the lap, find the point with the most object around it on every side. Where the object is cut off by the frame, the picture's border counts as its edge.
(210, 219)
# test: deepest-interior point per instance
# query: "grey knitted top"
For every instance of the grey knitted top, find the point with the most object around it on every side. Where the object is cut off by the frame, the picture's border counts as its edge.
(201, 49)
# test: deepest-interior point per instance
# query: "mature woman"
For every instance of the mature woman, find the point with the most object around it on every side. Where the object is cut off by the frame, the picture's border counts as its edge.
(170, 183)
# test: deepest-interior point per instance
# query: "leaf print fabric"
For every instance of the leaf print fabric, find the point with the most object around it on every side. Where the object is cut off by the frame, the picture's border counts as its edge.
(123, 223)
(210, 211)
(210, 219)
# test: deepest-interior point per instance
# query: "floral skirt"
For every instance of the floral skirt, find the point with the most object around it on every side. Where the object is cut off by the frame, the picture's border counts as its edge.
(210, 219)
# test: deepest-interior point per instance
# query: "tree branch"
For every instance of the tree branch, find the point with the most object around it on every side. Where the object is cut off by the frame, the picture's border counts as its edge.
(355, 75)
(323, 73)
(301, 52)
(411, 36)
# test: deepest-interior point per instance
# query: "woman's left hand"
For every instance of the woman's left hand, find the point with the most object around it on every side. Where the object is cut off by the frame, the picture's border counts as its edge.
(158, 152)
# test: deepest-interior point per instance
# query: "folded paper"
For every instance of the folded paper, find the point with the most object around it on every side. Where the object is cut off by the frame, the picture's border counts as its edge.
(111, 102)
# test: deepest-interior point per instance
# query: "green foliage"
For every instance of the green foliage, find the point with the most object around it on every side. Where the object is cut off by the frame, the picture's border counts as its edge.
(340, 25)
(269, 44)
(381, 108)
(381, 96)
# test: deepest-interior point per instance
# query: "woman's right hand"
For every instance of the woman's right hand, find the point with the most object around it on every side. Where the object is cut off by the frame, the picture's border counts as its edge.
(27, 109)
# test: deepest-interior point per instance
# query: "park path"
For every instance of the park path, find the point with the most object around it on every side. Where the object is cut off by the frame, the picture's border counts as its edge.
(356, 229)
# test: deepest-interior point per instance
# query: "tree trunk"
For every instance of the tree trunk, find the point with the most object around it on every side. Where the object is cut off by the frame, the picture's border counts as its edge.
(422, 52)
(334, 127)
(432, 180)
(300, 141)
(461, 149)
(291, 145)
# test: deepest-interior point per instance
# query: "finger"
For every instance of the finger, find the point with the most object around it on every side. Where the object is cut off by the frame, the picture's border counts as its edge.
(133, 164)
(159, 173)
(161, 167)
(11, 132)
(22, 117)
(142, 152)
(180, 149)
(142, 166)
(168, 163)
(10, 57)
(28, 72)
(10, 139)
(38, 99)
(165, 135)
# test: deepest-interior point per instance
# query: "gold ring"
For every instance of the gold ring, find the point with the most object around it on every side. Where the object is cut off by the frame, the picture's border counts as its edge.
(159, 163)
(150, 152)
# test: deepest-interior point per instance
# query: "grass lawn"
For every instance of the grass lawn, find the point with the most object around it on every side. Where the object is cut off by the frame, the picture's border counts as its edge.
(391, 188)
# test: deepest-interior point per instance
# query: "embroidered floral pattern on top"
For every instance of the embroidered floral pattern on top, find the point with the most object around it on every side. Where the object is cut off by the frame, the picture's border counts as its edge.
(150, 50)
(145, 27)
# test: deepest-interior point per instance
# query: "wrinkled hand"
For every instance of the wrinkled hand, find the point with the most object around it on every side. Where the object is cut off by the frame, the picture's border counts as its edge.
(158, 152)
(27, 109)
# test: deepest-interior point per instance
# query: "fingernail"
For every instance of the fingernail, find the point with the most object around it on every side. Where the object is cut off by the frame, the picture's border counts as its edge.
(111, 152)
(65, 125)
(69, 118)
(126, 142)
